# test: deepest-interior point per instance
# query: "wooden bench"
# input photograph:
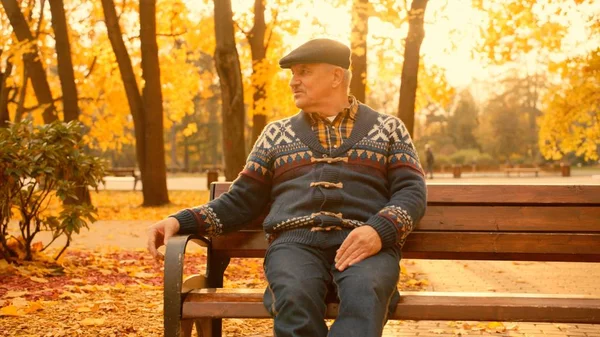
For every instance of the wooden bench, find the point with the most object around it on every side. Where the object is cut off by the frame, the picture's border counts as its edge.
(462, 222)
(518, 170)
(124, 172)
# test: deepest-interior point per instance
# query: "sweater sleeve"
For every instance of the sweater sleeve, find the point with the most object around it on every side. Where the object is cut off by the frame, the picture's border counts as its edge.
(408, 191)
(246, 199)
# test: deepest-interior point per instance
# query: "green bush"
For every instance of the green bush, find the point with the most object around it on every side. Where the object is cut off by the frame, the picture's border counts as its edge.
(486, 160)
(472, 156)
(38, 163)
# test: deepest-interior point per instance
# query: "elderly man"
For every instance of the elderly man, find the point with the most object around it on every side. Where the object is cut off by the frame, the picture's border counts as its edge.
(345, 188)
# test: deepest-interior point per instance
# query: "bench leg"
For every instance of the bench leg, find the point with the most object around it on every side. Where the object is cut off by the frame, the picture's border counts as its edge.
(204, 327)
(186, 328)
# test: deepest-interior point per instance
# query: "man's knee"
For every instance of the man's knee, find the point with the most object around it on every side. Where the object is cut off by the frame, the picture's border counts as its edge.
(369, 284)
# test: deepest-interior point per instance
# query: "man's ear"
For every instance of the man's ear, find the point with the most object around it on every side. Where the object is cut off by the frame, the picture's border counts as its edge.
(338, 77)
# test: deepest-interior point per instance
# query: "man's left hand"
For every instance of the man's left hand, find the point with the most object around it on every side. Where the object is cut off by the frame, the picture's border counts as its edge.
(361, 243)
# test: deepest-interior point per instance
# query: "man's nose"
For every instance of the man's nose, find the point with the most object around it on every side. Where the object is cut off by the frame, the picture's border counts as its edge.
(294, 82)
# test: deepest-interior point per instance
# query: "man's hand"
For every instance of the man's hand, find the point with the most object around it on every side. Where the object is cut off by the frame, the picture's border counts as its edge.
(361, 243)
(159, 234)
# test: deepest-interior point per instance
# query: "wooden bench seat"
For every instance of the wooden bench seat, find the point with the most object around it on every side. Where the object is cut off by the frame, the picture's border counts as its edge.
(124, 172)
(463, 222)
(248, 303)
(519, 170)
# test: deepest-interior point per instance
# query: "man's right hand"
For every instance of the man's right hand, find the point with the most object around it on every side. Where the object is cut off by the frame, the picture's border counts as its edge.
(159, 234)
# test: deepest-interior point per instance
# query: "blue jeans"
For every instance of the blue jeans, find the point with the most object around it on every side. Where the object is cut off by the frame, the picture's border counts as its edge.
(299, 277)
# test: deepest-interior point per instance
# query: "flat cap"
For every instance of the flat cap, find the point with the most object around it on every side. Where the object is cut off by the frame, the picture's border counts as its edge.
(318, 51)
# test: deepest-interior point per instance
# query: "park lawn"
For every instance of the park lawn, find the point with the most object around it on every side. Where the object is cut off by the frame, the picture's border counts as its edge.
(109, 291)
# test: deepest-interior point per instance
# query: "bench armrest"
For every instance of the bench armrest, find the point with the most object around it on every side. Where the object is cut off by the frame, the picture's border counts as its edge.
(173, 275)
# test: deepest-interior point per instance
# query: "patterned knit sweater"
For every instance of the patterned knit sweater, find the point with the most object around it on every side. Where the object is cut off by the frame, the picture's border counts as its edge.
(317, 197)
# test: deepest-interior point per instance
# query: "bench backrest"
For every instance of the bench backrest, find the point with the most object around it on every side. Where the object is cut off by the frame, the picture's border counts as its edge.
(480, 222)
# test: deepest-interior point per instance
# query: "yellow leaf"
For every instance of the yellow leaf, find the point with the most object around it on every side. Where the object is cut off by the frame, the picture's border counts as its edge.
(78, 281)
(84, 309)
(142, 274)
(93, 321)
(496, 326)
(12, 294)
(10, 310)
(34, 306)
(38, 279)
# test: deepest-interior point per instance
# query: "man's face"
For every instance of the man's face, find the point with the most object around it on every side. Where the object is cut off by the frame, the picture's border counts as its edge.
(311, 85)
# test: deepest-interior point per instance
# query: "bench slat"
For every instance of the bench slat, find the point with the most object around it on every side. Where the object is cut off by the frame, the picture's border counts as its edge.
(247, 303)
(570, 219)
(512, 218)
(500, 194)
(453, 245)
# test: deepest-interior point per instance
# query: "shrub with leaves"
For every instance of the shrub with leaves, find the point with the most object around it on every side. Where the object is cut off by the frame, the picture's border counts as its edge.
(37, 164)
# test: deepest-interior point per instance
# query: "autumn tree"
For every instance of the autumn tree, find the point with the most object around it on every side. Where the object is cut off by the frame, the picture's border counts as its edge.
(410, 68)
(535, 32)
(145, 107)
(571, 122)
(463, 123)
(232, 94)
(33, 63)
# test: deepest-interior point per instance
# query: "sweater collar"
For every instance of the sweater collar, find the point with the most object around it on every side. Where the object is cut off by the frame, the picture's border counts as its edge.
(365, 119)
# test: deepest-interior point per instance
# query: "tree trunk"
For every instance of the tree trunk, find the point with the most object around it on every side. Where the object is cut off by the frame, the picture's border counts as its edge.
(67, 81)
(4, 95)
(134, 99)
(65, 64)
(31, 60)
(155, 178)
(232, 96)
(410, 68)
(358, 41)
(256, 38)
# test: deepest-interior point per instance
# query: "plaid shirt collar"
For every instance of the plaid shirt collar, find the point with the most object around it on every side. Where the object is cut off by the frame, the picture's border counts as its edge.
(349, 112)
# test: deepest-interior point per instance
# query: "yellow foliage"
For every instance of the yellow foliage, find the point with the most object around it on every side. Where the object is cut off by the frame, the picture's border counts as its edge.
(571, 122)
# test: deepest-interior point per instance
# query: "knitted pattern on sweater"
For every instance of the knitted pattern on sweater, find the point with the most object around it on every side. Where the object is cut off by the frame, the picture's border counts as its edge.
(315, 195)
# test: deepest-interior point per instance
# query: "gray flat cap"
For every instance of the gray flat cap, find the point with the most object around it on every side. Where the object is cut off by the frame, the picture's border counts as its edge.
(318, 51)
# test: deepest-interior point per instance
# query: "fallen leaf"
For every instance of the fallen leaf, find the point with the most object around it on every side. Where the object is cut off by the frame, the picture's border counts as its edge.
(496, 327)
(143, 274)
(93, 321)
(34, 306)
(38, 279)
(19, 302)
(10, 310)
(12, 294)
